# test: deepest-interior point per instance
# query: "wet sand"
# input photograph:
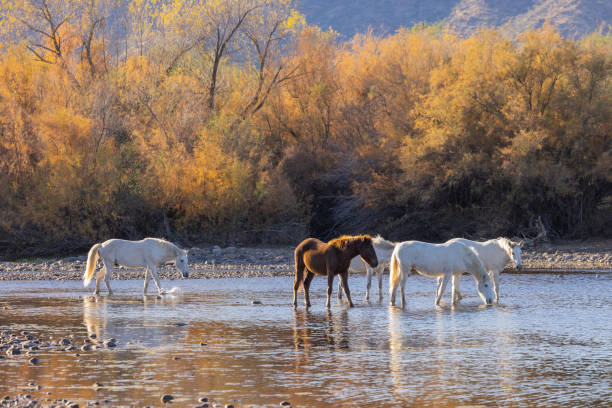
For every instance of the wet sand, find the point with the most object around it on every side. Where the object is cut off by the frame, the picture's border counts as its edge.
(231, 262)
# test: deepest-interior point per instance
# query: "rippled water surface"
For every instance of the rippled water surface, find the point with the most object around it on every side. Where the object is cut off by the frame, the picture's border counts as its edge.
(548, 343)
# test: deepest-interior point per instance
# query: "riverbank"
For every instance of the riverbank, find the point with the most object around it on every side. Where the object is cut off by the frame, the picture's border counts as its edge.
(217, 262)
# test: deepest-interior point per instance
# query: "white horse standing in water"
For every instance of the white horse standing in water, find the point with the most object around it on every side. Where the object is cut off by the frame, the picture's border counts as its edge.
(494, 254)
(148, 253)
(383, 249)
(437, 261)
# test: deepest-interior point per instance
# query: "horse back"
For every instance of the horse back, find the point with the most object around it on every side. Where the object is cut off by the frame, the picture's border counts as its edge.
(125, 252)
(428, 257)
(316, 255)
(489, 252)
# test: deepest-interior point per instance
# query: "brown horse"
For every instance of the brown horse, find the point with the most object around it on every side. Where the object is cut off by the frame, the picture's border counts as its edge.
(331, 259)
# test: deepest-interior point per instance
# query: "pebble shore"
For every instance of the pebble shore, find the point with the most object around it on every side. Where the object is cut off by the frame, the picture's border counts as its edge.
(26, 345)
(233, 262)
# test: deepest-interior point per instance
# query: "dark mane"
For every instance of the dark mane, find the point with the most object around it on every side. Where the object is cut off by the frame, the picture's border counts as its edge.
(345, 241)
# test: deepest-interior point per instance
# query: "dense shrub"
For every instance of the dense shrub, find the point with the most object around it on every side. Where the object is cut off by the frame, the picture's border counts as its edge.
(155, 125)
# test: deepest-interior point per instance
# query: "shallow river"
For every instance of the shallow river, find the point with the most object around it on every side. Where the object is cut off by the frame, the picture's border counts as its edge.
(548, 343)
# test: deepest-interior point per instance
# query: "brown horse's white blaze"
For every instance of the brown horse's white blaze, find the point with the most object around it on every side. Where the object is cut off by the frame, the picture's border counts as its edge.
(315, 257)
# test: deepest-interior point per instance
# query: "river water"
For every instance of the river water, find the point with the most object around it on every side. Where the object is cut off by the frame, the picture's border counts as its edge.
(548, 343)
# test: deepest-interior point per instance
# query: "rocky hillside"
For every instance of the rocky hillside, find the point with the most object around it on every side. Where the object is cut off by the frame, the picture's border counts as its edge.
(573, 18)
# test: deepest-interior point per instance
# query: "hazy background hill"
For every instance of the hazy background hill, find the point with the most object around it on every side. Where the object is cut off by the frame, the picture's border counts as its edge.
(573, 18)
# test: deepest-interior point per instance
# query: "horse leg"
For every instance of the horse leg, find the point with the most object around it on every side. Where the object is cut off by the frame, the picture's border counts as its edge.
(330, 287)
(299, 276)
(344, 280)
(107, 276)
(369, 282)
(495, 279)
(456, 296)
(153, 270)
(456, 284)
(403, 279)
(441, 287)
(339, 290)
(379, 275)
(146, 281)
(99, 276)
(307, 280)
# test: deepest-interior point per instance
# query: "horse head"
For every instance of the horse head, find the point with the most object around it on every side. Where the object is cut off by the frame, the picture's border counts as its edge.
(366, 250)
(181, 262)
(484, 286)
(514, 252)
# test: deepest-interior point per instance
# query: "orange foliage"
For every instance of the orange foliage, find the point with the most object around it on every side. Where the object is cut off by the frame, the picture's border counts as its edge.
(379, 134)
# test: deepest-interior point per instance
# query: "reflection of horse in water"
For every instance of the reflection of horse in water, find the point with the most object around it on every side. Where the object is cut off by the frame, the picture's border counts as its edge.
(419, 360)
(94, 316)
(323, 330)
(106, 317)
(396, 354)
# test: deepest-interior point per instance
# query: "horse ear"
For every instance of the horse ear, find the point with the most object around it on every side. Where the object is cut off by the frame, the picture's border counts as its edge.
(521, 242)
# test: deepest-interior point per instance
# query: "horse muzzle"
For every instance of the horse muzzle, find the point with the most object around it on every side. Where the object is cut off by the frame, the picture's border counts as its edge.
(519, 267)
(185, 274)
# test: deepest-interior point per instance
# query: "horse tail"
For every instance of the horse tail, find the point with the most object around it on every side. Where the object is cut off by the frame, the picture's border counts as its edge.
(300, 266)
(394, 275)
(92, 258)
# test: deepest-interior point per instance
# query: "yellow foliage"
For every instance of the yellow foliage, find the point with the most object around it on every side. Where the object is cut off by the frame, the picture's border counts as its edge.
(115, 138)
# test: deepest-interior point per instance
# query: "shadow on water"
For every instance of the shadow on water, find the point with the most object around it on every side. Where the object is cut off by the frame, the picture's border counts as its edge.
(547, 344)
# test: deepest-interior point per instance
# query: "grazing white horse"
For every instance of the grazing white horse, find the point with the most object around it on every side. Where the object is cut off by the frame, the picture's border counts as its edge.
(494, 254)
(437, 260)
(383, 249)
(148, 253)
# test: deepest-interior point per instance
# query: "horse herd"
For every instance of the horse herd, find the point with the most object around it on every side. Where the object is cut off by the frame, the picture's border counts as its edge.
(446, 262)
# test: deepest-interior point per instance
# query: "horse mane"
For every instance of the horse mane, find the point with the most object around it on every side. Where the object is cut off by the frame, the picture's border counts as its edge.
(166, 244)
(506, 244)
(345, 241)
(383, 243)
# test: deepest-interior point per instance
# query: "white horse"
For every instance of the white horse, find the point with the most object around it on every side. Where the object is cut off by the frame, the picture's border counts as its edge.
(148, 253)
(383, 249)
(494, 254)
(437, 260)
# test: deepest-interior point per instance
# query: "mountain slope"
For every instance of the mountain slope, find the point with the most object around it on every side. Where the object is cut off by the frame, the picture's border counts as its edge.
(573, 18)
